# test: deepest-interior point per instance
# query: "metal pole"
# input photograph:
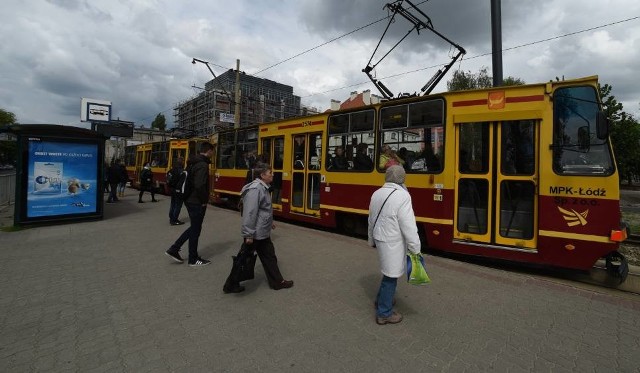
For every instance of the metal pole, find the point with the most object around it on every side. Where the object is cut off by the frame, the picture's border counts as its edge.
(496, 42)
(237, 110)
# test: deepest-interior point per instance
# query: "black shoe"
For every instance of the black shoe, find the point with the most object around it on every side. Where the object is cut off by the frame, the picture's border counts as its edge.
(285, 284)
(174, 255)
(140, 201)
(154, 200)
(176, 222)
(200, 262)
(235, 289)
(110, 202)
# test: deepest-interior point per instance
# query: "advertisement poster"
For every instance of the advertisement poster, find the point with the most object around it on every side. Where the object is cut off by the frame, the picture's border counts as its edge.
(61, 178)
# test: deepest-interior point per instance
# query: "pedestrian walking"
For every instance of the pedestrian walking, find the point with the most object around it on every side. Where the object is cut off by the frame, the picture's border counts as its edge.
(175, 180)
(257, 223)
(124, 178)
(392, 231)
(146, 183)
(113, 178)
(196, 198)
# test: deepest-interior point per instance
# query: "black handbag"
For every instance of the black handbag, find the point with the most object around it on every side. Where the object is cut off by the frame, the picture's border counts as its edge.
(245, 262)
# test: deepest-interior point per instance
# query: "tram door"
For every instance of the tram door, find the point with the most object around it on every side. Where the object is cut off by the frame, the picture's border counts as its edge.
(305, 181)
(496, 183)
(143, 155)
(273, 149)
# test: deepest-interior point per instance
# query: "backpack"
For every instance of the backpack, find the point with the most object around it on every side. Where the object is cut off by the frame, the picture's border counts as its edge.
(172, 178)
(179, 187)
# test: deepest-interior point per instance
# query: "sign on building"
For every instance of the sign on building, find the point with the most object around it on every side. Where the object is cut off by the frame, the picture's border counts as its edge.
(227, 118)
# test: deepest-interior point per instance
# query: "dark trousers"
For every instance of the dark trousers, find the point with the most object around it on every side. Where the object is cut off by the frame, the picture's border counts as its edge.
(196, 214)
(112, 193)
(267, 254)
(147, 188)
(174, 209)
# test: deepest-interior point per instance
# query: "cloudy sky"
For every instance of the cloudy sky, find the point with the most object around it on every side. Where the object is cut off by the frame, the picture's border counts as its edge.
(137, 54)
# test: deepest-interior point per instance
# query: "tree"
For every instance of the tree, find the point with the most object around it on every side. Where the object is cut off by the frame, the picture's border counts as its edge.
(160, 122)
(624, 130)
(6, 118)
(8, 149)
(467, 80)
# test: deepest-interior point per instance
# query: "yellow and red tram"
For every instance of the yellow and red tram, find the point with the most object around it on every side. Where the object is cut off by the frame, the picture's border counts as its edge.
(161, 156)
(521, 173)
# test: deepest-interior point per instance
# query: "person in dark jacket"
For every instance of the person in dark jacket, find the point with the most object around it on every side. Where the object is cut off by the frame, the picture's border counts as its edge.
(362, 161)
(339, 161)
(176, 196)
(124, 178)
(113, 178)
(195, 200)
(146, 183)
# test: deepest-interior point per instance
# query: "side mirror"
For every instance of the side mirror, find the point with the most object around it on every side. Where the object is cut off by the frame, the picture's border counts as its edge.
(602, 125)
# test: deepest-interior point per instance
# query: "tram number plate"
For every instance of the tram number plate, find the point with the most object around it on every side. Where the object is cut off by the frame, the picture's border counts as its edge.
(437, 197)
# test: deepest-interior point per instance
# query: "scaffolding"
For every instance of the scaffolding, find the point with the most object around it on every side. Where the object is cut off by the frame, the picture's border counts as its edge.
(212, 110)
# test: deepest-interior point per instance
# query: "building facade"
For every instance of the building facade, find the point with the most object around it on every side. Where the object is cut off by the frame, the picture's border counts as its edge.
(262, 101)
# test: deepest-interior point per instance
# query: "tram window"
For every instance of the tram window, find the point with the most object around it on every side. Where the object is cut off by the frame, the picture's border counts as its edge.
(226, 150)
(517, 147)
(393, 117)
(362, 121)
(278, 153)
(339, 124)
(473, 201)
(418, 150)
(355, 141)
(428, 113)
(575, 112)
(516, 209)
(473, 153)
(246, 148)
(159, 154)
(266, 150)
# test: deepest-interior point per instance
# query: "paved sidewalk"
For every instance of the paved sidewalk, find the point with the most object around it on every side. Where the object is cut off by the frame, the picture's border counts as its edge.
(101, 296)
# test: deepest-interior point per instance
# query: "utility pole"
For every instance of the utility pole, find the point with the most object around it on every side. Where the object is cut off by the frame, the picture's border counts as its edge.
(496, 42)
(237, 109)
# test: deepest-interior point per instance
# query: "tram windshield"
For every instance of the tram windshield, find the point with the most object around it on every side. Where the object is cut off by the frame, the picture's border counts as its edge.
(577, 148)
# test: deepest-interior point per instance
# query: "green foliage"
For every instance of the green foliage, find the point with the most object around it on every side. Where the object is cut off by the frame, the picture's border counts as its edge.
(160, 122)
(467, 80)
(625, 135)
(6, 118)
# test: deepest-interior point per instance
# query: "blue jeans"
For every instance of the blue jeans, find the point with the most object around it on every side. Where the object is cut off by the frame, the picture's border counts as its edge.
(174, 209)
(385, 296)
(196, 214)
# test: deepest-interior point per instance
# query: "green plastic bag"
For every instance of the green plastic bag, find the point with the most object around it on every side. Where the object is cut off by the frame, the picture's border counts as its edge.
(416, 270)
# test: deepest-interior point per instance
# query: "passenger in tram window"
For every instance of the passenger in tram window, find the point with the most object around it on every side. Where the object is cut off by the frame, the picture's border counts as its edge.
(431, 161)
(251, 173)
(389, 158)
(392, 231)
(257, 224)
(362, 161)
(298, 152)
(338, 161)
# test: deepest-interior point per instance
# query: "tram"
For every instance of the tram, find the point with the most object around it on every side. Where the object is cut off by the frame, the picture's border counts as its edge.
(521, 173)
(161, 156)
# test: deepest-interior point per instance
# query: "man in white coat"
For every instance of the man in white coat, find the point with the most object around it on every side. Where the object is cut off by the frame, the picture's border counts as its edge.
(393, 231)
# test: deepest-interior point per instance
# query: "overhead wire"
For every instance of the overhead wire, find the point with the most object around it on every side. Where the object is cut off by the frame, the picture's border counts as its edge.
(415, 70)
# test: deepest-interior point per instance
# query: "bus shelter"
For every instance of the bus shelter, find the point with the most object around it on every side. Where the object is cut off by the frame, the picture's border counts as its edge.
(59, 174)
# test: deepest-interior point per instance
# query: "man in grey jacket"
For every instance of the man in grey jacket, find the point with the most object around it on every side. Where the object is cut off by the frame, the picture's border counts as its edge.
(257, 223)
